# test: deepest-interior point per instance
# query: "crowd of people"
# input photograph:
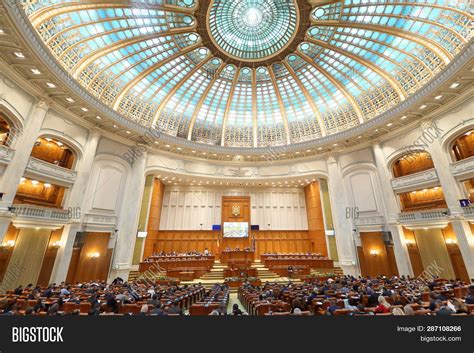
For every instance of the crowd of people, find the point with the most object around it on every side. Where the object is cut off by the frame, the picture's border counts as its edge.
(349, 295)
(345, 295)
(193, 253)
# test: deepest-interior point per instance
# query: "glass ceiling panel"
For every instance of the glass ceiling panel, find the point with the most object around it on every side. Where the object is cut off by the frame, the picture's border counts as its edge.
(153, 62)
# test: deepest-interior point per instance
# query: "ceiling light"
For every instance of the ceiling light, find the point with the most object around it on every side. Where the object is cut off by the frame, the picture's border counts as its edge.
(403, 117)
(115, 126)
(19, 55)
(47, 186)
(454, 85)
(2, 31)
(35, 182)
(320, 148)
(36, 71)
(179, 148)
(128, 132)
(98, 117)
(70, 100)
(22, 180)
(438, 97)
(51, 85)
(167, 146)
(390, 124)
(308, 151)
(84, 109)
(359, 137)
(423, 106)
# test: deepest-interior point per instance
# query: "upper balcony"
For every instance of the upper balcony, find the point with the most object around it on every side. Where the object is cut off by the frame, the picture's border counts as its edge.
(463, 169)
(39, 169)
(426, 218)
(424, 179)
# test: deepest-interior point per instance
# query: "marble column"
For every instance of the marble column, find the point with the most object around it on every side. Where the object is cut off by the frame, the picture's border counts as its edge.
(23, 146)
(465, 240)
(391, 213)
(76, 203)
(129, 219)
(431, 137)
(343, 227)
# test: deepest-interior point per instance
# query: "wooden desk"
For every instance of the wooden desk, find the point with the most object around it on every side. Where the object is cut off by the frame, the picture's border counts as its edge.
(237, 256)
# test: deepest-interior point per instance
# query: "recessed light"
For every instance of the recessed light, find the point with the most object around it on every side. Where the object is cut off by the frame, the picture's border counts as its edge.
(438, 97)
(70, 100)
(179, 148)
(36, 71)
(98, 117)
(84, 109)
(51, 85)
(157, 143)
(115, 126)
(376, 130)
(167, 146)
(403, 117)
(454, 85)
(389, 124)
(128, 132)
(320, 148)
(359, 137)
(19, 55)
(335, 145)
(423, 106)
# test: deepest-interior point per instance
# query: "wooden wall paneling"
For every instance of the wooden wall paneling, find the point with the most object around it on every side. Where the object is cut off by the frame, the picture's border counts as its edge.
(73, 263)
(392, 260)
(314, 211)
(455, 255)
(49, 258)
(6, 253)
(154, 218)
(362, 263)
(93, 268)
(375, 264)
(413, 252)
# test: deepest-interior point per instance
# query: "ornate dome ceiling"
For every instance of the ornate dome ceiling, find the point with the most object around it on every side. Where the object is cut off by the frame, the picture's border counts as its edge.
(252, 73)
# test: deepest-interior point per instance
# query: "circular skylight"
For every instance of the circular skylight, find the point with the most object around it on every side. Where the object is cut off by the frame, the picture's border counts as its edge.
(251, 30)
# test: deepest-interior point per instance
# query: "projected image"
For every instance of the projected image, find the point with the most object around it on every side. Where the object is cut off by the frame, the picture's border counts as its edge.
(236, 229)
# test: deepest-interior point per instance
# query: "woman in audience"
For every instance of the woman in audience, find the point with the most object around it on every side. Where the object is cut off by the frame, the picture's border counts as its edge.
(408, 309)
(383, 307)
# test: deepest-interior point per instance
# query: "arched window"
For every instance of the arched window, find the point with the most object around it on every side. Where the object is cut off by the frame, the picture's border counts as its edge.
(54, 151)
(412, 163)
(463, 146)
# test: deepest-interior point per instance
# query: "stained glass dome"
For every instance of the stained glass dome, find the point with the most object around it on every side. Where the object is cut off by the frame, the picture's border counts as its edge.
(252, 73)
(252, 29)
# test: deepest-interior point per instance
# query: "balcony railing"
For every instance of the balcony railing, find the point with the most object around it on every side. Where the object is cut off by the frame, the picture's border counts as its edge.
(464, 167)
(468, 211)
(420, 216)
(44, 213)
(6, 154)
(422, 179)
(47, 170)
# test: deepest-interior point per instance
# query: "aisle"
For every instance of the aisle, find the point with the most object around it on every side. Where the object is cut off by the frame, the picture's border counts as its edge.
(233, 299)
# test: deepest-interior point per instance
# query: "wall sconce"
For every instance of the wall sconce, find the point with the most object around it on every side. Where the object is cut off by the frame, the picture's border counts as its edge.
(94, 255)
(56, 244)
(450, 241)
(409, 242)
(8, 244)
(374, 252)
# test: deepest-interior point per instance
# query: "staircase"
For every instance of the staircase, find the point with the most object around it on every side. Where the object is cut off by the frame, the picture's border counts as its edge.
(265, 275)
(216, 275)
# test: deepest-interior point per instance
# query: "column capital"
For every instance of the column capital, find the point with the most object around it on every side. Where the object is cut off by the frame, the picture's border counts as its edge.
(42, 104)
(331, 160)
